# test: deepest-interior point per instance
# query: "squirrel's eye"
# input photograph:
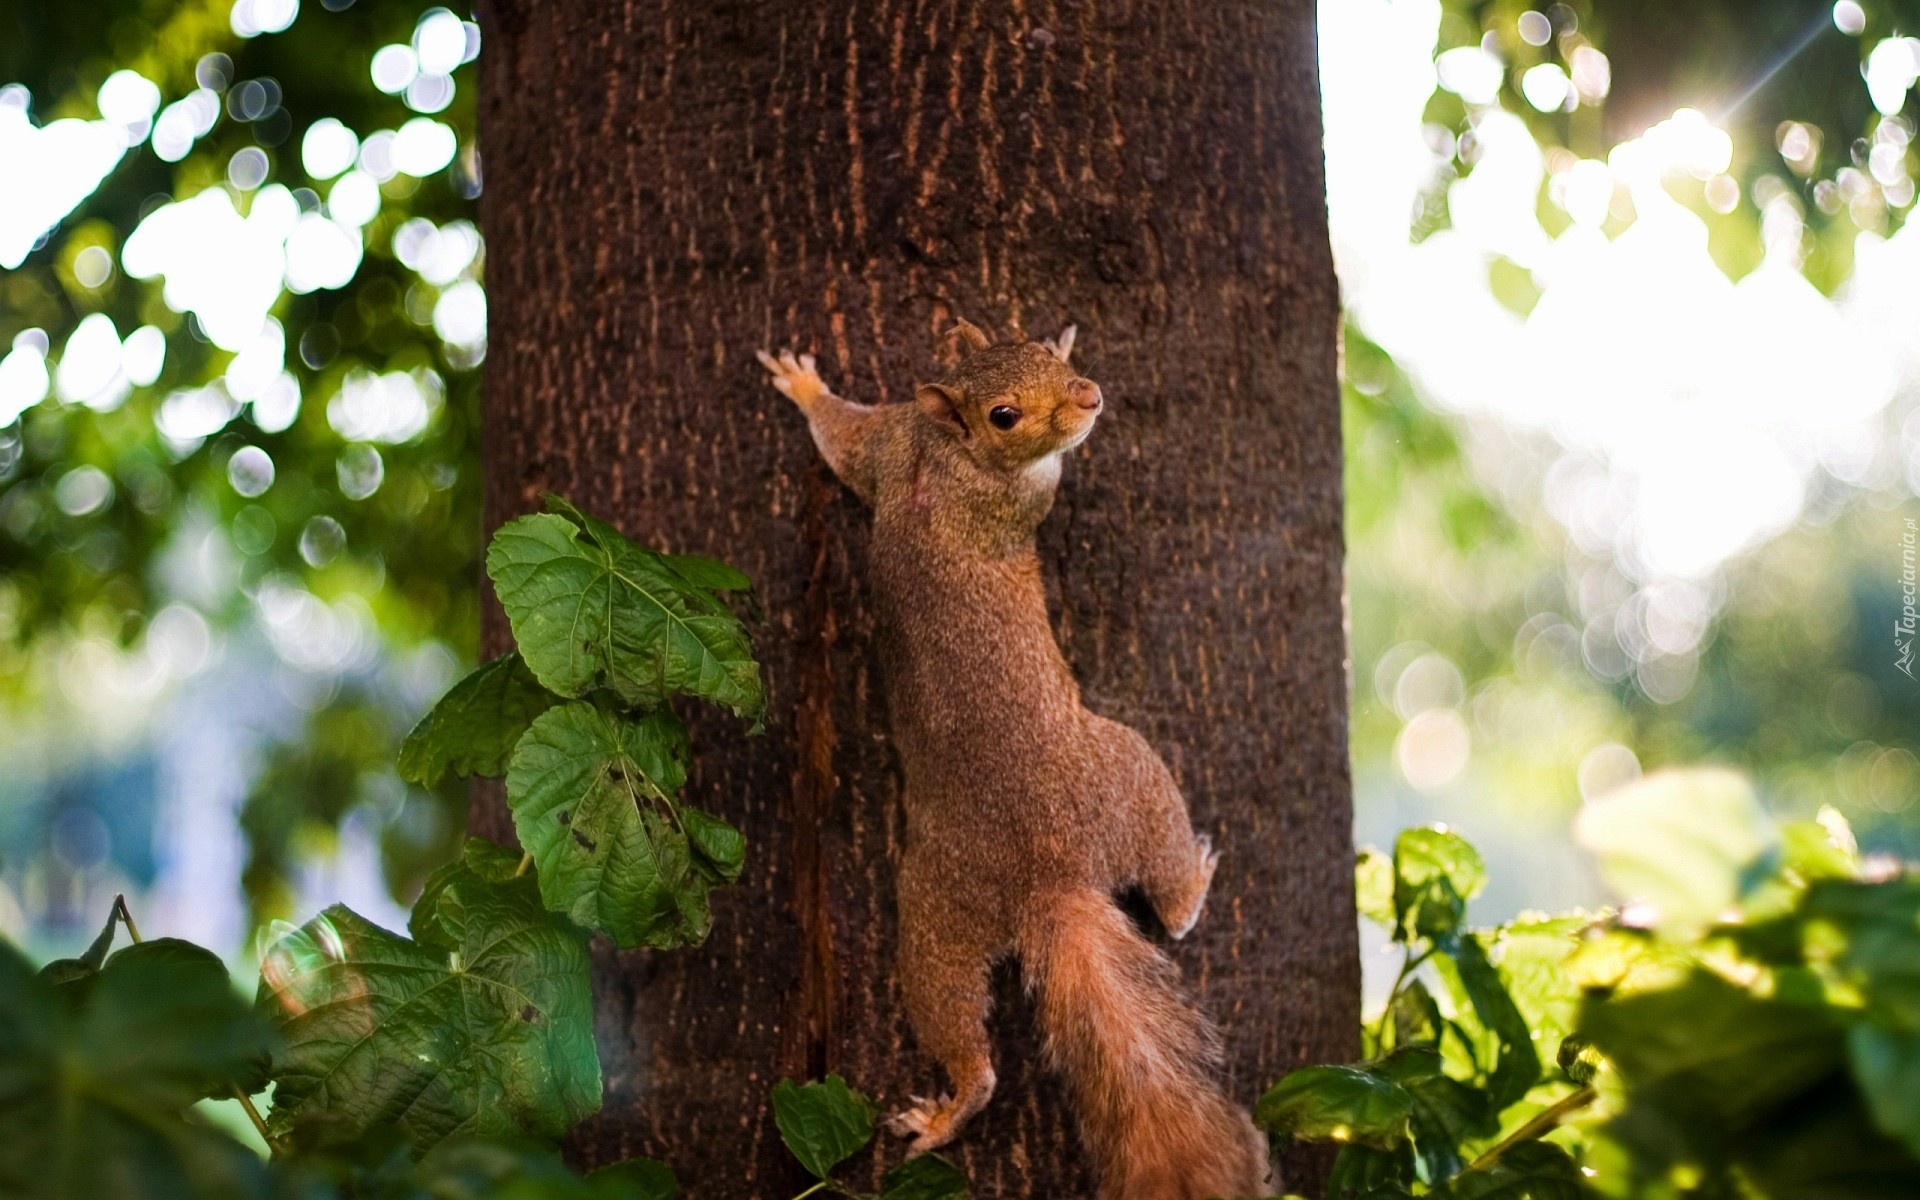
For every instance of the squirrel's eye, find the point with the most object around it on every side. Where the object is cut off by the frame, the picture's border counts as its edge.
(1004, 416)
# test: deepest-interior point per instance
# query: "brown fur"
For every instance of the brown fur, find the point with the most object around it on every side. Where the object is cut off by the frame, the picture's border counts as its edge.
(1025, 811)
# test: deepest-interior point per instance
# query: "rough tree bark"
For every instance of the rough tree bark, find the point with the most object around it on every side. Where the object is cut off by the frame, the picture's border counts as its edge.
(672, 184)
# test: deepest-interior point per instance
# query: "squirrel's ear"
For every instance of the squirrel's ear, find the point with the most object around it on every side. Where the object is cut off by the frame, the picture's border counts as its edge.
(969, 334)
(1062, 346)
(942, 406)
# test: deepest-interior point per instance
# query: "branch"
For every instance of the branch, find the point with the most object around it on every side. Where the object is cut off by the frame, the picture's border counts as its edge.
(1544, 1122)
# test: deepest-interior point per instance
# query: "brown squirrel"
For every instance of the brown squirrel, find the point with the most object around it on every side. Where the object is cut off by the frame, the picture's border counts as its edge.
(1025, 812)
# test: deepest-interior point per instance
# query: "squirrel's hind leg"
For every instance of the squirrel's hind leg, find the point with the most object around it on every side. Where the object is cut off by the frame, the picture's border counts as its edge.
(1176, 881)
(1172, 864)
(945, 959)
(947, 1001)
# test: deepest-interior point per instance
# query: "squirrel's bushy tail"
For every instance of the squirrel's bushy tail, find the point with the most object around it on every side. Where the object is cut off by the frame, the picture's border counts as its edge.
(1136, 1057)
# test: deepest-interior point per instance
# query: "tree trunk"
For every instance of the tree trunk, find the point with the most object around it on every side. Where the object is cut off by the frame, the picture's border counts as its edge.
(671, 185)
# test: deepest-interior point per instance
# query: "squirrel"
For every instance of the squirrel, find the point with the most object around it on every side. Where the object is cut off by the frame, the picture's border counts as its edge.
(1025, 812)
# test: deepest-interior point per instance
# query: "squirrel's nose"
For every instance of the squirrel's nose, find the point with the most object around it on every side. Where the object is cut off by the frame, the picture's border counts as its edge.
(1085, 393)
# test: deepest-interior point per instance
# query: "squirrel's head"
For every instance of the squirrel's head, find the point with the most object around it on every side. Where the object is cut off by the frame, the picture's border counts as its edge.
(1007, 407)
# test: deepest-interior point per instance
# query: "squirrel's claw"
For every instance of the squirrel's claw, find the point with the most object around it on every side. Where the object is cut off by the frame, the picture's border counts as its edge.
(927, 1125)
(793, 376)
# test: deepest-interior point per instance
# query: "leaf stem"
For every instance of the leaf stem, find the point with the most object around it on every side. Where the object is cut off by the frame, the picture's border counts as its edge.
(1544, 1122)
(824, 1183)
(1409, 963)
(253, 1114)
(126, 916)
(246, 1101)
(526, 864)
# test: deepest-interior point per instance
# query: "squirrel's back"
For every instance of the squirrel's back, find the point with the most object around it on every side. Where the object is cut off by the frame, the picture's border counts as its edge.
(968, 654)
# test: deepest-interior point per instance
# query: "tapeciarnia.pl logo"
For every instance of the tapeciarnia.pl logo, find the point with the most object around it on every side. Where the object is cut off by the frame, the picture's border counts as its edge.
(1903, 629)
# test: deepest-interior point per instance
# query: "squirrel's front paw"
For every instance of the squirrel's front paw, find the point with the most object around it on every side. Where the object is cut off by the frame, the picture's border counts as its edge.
(929, 1124)
(795, 377)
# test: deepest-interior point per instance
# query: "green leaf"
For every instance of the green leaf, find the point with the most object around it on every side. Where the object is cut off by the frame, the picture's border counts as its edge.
(466, 1167)
(705, 576)
(1407, 1064)
(714, 576)
(1517, 1067)
(634, 1179)
(479, 858)
(320, 1156)
(1373, 889)
(708, 573)
(823, 1122)
(1821, 1144)
(1687, 842)
(1416, 1016)
(1435, 873)
(927, 1177)
(1365, 1173)
(97, 1076)
(377, 1167)
(1886, 1064)
(1878, 930)
(592, 799)
(473, 729)
(1620, 957)
(1446, 1112)
(719, 850)
(483, 1029)
(1713, 1054)
(323, 1160)
(1529, 1171)
(1533, 966)
(591, 609)
(170, 1027)
(1338, 1104)
(65, 970)
(1820, 849)
(1433, 851)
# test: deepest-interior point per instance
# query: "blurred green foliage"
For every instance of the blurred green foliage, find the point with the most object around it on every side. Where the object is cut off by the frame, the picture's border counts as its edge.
(1454, 563)
(386, 531)
(340, 761)
(1796, 681)
(410, 546)
(1765, 1046)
